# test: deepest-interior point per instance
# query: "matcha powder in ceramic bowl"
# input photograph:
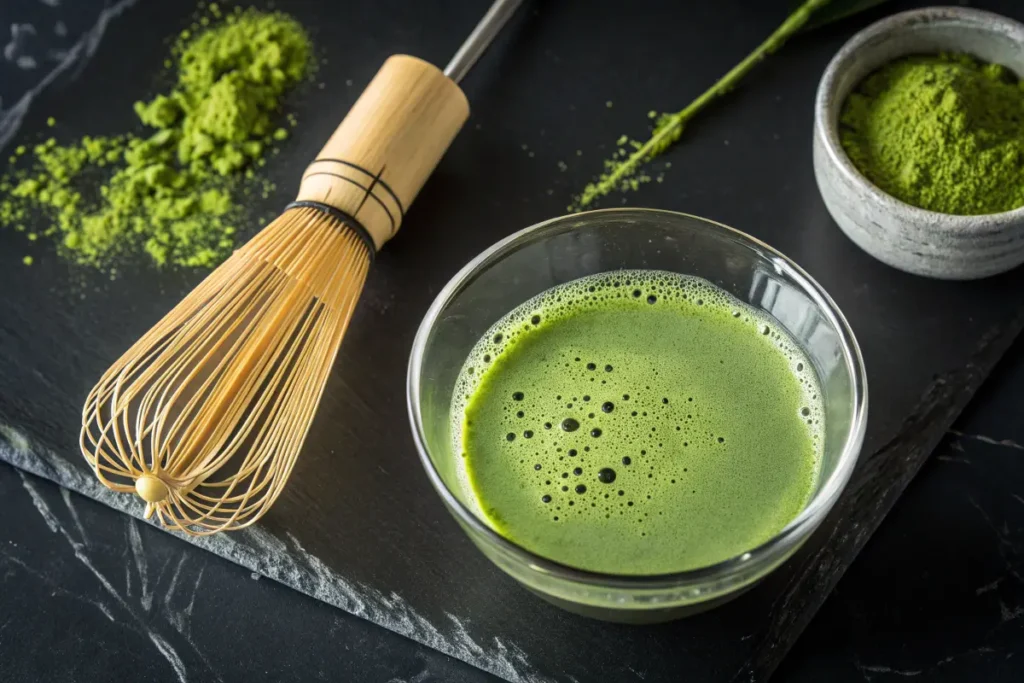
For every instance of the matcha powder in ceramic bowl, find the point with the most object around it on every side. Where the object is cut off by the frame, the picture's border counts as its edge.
(175, 193)
(941, 132)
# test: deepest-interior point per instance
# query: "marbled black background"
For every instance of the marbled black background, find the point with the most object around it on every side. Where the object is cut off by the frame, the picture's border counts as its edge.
(89, 594)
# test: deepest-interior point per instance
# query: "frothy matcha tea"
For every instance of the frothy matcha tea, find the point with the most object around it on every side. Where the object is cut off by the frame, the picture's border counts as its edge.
(638, 422)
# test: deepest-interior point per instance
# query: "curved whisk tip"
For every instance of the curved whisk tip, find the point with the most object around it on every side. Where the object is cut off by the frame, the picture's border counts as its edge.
(151, 489)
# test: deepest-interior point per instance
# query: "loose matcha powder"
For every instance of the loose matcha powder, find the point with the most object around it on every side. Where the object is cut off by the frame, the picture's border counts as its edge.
(175, 194)
(623, 170)
(942, 132)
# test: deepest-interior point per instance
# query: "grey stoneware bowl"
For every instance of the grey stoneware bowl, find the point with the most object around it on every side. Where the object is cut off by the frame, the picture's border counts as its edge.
(906, 237)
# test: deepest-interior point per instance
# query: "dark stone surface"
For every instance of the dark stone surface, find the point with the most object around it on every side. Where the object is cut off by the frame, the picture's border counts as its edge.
(88, 594)
(937, 595)
(358, 526)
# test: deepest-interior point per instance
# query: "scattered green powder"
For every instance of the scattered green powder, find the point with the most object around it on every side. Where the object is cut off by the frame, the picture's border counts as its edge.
(942, 132)
(174, 193)
(622, 171)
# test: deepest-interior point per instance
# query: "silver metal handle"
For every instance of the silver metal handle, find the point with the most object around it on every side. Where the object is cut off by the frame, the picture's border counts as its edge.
(480, 39)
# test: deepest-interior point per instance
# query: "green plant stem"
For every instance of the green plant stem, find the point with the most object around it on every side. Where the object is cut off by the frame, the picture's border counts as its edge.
(670, 126)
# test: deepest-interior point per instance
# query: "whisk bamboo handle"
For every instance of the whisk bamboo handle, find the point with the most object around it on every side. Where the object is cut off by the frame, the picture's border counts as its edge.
(380, 156)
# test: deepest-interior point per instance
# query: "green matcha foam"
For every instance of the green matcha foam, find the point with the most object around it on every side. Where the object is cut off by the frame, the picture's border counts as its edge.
(638, 422)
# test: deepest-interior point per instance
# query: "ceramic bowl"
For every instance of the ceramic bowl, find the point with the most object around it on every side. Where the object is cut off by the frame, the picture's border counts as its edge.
(906, 237)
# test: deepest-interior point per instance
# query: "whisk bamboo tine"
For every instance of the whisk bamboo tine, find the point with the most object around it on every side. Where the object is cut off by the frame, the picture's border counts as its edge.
(205, 415)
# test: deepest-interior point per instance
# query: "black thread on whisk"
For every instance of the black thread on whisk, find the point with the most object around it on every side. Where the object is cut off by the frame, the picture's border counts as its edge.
(350, 222)
(376, 180)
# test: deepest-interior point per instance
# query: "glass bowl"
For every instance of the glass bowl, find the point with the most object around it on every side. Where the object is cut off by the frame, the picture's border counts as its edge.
(565, 249)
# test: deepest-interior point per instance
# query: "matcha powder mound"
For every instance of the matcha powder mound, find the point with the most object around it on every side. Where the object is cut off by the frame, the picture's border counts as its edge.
(942, 132)
(175, 193)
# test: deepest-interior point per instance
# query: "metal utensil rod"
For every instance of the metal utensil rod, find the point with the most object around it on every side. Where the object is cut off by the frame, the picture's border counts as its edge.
(480, 39)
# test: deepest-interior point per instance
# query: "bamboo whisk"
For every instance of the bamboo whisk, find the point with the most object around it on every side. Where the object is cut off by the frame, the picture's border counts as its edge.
(205, 415)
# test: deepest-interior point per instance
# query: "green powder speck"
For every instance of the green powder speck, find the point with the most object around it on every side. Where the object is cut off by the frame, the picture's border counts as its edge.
(941, 132)
(174, 193)
(622, 171)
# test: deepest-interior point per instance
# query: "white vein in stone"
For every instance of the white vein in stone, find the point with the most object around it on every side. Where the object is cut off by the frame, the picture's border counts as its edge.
(866, 669)
(44, 509)
(141, 566)
(57, 589)
(163, 646)
(169, 591)
(79, 54)
(1009, 614)
(106, 611)
(65, 494)
(1008, 443)
(168, 652)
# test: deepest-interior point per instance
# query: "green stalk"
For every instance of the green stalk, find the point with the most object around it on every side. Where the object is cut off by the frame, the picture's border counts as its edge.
(670, 126)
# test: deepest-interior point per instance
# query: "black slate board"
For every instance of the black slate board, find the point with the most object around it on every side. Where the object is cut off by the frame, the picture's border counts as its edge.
(138, 605)
(359, 526)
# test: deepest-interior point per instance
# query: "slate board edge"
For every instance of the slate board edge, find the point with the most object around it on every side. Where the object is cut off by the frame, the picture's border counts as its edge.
(288, 563)
(285, 561)
(897, 461)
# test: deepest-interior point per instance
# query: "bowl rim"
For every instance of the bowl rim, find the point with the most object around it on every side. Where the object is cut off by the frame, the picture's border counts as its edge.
(826, 114)
(768, 552)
